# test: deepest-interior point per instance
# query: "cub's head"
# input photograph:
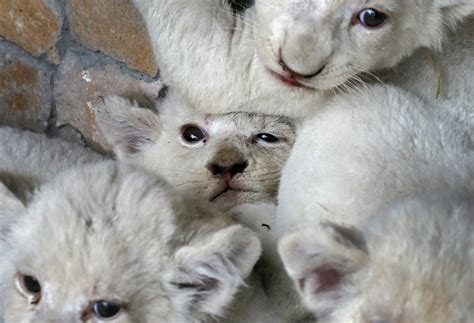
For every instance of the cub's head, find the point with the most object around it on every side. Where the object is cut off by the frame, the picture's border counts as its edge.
(411, 264)
(112, 243)
(227, 159)
(323, 44)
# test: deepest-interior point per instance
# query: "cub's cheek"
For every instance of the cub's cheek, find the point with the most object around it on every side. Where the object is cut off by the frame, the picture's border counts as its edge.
(17, 308)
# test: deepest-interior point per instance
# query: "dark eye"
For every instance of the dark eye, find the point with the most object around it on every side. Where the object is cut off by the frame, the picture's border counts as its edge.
(371, 18)
(30, 287)
(193, 134)
(106, 310)
(267, 137)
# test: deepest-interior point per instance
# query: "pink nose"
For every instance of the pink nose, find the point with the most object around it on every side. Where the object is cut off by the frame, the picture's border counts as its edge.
(306, 49)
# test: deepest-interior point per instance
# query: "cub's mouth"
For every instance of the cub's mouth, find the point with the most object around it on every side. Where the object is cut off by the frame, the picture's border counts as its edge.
(227, 191)
(228, 194)
(289, 80)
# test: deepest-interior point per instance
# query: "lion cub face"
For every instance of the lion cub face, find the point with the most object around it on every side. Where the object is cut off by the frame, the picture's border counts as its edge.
(412, 263)
(328, 44)
(112, 243)
(227, 159)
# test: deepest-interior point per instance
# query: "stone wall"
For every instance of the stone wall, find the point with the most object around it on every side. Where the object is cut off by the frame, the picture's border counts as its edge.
(57, 57)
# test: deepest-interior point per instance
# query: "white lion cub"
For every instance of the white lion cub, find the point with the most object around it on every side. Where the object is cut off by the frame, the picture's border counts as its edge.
(370, 149)
(287, 50)
(109, 242)
(411, 263)
(325, 43)
(227, 159)
(363, 152)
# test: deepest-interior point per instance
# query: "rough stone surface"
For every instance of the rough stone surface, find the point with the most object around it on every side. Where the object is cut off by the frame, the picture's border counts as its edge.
(25, 90)
(115, 28)
(79, 84)
(58, 56)
(32, 24)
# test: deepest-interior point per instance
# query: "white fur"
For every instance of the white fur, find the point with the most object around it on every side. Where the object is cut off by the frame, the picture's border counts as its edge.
(411, 263)
(441, 77)
(278, 289)
(363, 152)
(257, 216)
(9, 207)
(366, 150)
(110, 231)
(209, 53)
(224, 62)
(154, 141)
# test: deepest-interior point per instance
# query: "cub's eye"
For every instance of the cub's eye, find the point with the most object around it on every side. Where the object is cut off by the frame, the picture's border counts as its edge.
(371, 18)
(267, 137)
(193, 134)
(106, 310)
(29, 287)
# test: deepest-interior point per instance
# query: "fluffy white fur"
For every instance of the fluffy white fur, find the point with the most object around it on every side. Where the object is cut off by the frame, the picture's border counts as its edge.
(363, 152)
(28, 159)
(113, 232)
(369, 149)
(411, 263)
(227, 62)
(260, 217)
(208, 52)
(154, 141)
(278, 288)
(440, 77)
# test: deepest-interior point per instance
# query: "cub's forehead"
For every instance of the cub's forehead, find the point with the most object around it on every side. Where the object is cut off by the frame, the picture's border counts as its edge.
(248, 123)
(100, 207)
(329, 7)
(175, 112)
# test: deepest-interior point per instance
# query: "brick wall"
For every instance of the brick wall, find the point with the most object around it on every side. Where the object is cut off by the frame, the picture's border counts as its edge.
(58, 56)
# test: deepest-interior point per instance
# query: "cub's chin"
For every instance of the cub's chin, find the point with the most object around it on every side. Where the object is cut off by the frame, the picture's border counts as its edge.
(233, 197)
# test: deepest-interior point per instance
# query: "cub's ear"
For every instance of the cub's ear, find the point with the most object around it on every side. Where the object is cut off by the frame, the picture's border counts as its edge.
(11, 209)
(208, 274)
(455, 10)
(126, 126)
(320, 261)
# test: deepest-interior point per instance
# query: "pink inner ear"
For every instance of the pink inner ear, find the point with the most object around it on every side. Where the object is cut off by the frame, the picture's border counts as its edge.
(325, 279)
(328, 278)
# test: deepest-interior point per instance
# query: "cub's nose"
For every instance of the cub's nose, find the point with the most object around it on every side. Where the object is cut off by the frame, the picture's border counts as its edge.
(226, 172)
(306, 48)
